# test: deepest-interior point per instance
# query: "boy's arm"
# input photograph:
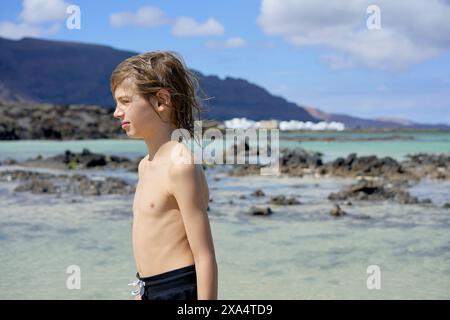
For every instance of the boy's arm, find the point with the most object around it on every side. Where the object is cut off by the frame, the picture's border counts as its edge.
(188, 187)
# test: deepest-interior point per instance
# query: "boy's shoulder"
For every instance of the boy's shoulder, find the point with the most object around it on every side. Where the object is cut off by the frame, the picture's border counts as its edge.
(185, 174)
(141, 163)
(182, 161)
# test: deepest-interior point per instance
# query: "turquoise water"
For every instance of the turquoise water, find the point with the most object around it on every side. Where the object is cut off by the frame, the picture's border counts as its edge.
(300, 252)
(427, 142)
(423, 142)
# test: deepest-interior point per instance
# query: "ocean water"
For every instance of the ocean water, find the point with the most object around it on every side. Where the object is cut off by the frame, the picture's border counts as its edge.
(299, 252)
(429, 142)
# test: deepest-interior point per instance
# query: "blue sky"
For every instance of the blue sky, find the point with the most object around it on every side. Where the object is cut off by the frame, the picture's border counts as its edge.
(315, 53)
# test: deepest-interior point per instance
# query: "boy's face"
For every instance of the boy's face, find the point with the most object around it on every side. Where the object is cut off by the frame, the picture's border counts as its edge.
(134, 109)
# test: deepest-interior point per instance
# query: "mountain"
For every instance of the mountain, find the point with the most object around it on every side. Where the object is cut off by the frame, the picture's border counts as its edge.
(359, 123)
(74, 73)
(61, 72)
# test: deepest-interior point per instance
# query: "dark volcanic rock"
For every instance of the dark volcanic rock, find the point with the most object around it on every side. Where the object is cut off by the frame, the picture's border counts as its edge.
(83, 160)
(374, 191)
(282, 200)
(245, 170)
(37, 182)
(23, 175)
(8, 162)
(337, 211)
(293, 162)
(353, 166)
(298, 162)
(37, 186)
(258, 193)
(256, 211)
(300, 157)
(80, 184)
(25, 120)
(434, 166)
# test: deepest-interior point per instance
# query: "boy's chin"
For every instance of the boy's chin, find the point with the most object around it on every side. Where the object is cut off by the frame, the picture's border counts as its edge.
(135, 136)
(132, 136)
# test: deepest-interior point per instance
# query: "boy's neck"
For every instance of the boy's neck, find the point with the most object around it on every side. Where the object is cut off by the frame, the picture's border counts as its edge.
(155, 143)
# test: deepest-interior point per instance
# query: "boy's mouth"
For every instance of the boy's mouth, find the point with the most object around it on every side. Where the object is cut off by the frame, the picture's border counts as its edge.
(125, 123)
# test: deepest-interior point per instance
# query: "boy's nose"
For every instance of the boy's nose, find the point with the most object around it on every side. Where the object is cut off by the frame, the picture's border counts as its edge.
(118, 113)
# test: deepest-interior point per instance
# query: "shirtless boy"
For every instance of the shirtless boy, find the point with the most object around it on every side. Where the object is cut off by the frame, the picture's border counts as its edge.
(172, 242)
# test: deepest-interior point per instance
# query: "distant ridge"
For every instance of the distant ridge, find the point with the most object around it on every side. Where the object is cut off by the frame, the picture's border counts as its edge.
(76, 73)
(63, 72)
(360, 123)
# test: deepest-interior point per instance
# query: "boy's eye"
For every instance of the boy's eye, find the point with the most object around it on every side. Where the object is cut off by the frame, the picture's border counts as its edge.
(125, 101)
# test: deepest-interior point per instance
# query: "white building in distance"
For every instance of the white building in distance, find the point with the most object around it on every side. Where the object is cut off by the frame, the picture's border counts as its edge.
(244, 123)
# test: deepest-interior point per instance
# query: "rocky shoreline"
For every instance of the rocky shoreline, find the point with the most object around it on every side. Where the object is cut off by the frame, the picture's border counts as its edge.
(20, 121)
(44, 121)
(76, 184)
(376, 179)
(299, 162)
(82, 160)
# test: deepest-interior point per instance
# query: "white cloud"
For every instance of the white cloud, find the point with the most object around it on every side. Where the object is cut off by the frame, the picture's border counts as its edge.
(144, 17)
(38, 11)
(17, 31)
(411, 30)
(235, 42)
(187, 27)
(34, 18)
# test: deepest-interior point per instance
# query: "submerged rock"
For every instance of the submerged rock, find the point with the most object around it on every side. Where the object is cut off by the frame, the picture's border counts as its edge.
(257, 211)
(361, 217)
(374, 190)
(337, 211)
(8, 162)
(298, 162)
(80, 184)
(37, 186)
(433, 166)
(354, 166)
(38, 182)
(83, 160)
(24, 175)
(258, 193)
(300, 157)
(282, 200)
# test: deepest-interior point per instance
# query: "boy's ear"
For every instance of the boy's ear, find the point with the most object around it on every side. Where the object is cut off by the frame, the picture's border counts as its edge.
(163, 96)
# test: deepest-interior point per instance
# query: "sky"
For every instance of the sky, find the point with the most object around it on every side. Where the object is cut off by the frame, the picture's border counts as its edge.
(371, 59)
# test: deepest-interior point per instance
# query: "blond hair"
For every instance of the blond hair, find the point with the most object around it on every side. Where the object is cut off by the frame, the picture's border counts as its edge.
(157, 70)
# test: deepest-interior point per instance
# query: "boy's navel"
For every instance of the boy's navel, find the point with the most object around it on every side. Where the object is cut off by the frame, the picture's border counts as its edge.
(152, 205)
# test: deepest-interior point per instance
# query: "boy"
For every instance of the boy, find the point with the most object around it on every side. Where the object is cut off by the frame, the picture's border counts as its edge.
(172, 241)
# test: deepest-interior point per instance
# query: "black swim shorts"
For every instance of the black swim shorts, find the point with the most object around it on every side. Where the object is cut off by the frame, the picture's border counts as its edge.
(178, 284)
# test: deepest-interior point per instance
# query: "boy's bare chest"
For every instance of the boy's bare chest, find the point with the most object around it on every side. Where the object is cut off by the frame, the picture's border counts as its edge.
(152, 197)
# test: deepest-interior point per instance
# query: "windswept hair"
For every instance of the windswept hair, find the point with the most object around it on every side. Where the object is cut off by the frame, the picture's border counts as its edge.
(157, 70)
